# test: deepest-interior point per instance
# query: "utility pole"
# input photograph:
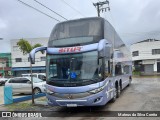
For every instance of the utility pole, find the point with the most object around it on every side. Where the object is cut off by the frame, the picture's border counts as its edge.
(99, 6)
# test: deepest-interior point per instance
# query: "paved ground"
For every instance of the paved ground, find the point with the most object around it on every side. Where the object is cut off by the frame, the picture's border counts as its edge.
(142, 95)
(1, 95)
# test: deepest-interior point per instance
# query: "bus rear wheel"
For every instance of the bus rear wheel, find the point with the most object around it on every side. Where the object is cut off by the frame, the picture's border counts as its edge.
(130, 80)
(115, 96)
(118, 91)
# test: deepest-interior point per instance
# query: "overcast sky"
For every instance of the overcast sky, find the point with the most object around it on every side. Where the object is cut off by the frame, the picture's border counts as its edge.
(134, 20)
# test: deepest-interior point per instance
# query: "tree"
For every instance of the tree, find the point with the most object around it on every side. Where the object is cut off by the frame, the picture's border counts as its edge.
(26, 48)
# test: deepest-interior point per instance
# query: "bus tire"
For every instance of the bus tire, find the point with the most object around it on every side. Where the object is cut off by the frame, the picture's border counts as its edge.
(118, 91)
(114, 97)
(130, 80)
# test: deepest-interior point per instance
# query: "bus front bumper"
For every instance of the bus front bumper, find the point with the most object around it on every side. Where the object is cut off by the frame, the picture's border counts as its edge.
(98, 99)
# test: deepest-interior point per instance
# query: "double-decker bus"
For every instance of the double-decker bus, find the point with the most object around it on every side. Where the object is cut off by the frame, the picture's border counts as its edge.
(87, 64)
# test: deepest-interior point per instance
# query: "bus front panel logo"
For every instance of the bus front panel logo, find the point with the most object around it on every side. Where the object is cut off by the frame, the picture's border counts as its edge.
(70, 96)
(70, 49)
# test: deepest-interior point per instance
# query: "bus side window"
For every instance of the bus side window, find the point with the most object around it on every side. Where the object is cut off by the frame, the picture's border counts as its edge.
(118, 69)
(126, 69)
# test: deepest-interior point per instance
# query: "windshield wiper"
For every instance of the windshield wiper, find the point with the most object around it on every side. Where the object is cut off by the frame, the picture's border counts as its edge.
(93, 79)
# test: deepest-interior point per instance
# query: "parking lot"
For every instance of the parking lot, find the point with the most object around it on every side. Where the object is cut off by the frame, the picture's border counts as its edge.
(2, 95)
(142, 95)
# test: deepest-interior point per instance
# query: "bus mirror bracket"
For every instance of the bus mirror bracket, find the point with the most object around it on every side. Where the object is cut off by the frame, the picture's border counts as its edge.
(104, 49)
(107, 51)
(33, 52)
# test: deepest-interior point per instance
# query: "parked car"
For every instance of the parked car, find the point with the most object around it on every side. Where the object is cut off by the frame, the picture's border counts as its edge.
(23, 85)
(3, 80)
(41, 76)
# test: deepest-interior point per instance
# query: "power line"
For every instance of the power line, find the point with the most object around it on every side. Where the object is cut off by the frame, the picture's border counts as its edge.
(37, 10)
(50, 10)
(73, 8)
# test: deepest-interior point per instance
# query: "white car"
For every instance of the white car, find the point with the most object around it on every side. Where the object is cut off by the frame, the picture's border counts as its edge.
(3, 80)
(41, 76)
(23, 85)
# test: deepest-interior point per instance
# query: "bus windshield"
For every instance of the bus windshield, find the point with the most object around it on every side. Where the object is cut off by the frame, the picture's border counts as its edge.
(73, 68)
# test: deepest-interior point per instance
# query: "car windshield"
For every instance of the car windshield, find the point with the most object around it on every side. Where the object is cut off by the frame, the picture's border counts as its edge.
(36, 80)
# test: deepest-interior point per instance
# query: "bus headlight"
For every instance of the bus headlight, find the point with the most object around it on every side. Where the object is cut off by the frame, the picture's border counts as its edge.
(49, 92)
(97, 90)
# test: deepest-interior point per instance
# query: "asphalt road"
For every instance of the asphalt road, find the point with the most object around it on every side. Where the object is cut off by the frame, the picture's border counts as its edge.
(142, 95)
(2, 95)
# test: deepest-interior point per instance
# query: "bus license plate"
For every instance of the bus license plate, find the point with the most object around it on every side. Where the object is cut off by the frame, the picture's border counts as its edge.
(71, 105)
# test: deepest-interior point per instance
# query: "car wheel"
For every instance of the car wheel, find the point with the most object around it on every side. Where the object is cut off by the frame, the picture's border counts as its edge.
(37, 90)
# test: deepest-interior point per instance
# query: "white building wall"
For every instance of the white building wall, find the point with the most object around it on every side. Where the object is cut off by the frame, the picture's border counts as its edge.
(145, 50)
(16, 53)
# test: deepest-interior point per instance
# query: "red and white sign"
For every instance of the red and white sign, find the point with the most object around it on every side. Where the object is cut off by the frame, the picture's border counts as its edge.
(70, 49)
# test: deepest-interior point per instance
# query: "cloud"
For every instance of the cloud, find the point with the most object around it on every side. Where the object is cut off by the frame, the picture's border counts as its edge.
(3, 25)
(134, 20)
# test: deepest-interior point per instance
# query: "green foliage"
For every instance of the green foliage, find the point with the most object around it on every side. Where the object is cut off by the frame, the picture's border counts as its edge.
(136, 72)
(26, 47)
(36, 45)
(19, 106)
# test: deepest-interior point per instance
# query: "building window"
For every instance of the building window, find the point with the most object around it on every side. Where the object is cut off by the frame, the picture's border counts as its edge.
(15, 48)
(28, 59)
(135, 53)
(120, 55)
(155, 51)
(18, 59)
(43, 58)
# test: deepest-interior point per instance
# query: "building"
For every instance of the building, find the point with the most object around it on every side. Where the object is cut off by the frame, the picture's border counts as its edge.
(5, 65)
(146, 56)
(21, 63)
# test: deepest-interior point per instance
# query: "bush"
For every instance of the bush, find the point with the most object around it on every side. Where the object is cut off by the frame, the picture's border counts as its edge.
(136, 72)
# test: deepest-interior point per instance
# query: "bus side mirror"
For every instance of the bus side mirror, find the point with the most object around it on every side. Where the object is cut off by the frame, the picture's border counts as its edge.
(33, 52)
(104, 49)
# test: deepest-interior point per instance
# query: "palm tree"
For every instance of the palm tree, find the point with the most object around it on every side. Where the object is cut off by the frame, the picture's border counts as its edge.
(26, 48)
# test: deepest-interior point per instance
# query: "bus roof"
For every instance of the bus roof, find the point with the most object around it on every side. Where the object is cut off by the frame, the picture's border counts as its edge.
(84, 31)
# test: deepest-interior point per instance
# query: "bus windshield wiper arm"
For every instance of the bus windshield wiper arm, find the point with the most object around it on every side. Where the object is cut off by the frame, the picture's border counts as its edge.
(93, 79)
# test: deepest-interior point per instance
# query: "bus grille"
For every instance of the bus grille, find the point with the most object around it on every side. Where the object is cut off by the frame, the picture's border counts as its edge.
(71, 96)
